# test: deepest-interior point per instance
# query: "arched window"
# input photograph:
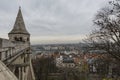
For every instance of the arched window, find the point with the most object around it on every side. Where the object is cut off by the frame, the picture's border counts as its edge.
(15, 38)
(21, 39)
(28, 39)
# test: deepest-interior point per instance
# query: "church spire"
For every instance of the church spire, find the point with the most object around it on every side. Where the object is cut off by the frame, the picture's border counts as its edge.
(19, 26)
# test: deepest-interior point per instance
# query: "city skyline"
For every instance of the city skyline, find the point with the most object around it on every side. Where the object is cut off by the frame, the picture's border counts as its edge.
(51, 21)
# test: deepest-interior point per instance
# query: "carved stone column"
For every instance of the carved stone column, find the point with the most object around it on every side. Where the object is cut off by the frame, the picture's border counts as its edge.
(20, 73)
(23, 74)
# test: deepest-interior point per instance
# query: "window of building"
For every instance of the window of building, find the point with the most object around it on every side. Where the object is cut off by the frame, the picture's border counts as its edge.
(15, 38)
(21, 39)
(28, 39)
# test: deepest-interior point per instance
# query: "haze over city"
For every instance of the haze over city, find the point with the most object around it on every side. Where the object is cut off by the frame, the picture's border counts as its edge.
(51, 21)
(59, 39)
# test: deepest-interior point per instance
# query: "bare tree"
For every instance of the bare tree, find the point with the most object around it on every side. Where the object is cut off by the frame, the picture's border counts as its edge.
(107, 34)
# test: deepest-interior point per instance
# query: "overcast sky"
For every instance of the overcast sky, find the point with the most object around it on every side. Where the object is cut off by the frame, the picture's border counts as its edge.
(51, 21)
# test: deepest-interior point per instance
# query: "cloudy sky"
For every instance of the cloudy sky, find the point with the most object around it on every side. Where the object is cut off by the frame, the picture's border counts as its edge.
(51, 21)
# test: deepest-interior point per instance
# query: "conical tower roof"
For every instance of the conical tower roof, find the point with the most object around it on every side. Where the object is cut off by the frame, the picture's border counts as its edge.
(19, 26)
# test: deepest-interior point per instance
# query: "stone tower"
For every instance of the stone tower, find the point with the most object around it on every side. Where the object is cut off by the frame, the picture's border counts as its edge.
(19, 35)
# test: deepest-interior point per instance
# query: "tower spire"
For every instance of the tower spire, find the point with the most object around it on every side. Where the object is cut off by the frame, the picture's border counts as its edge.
(19, 7)
(19, 26)
(19, 34)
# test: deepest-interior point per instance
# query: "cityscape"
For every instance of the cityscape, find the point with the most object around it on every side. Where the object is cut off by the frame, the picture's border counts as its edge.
(60, 40)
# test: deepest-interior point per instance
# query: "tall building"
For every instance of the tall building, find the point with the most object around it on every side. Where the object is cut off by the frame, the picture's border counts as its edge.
(15, 53)
(19, 35)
